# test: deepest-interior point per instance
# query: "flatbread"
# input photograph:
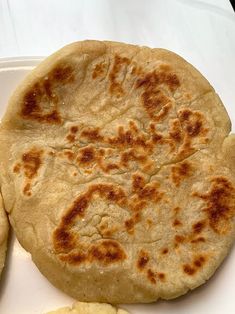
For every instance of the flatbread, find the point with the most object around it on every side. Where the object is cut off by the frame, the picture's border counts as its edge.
(3, 235)
(89, 308)
(118, 172)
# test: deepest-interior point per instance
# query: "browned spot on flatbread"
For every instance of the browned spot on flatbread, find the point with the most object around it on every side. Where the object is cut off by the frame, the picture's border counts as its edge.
(156, 78)
(70, 155)
(119, 67)
(151, 276)
(64, 240)
(175, 130)
(74, 129)
(31, 162)
(26, 189)
(44, 91)
(193, 122)
(74, 258)
(156, 103)
(92, 134)
(178, 240)
(105, 252)
(180, 172)
(220, 200)
(177, 223)
(197, 263)
(164, 251)
(71, 138)
(198, 240)
(130, 223)
(17, 167)
(87, 155)
(129, 138)
(146, 191)
(162, 277)
(132, 155)
(79, 206)
(99, 70)
(199, 226)
(143, 260)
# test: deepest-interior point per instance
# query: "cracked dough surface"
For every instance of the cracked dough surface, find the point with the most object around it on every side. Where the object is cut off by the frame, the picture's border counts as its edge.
(117, 172)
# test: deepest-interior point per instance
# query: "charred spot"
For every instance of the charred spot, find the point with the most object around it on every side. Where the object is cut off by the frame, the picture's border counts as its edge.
(99, 70)
(45, 91)
(78, 209)
(198, 240)
(179, 239)
(180, 172)
(176, 210)
(143, 260)
(197, 263)
(131, 156)
(87, 155)
(31, 107)
(17, 168)
(130, 223)
(70, 138)
(151, 276)
(127, 138)
(189, 270)
(92, 134)
(26, 189)
(138, 182)
(165, 251)
(75, 258)
(69, 155)
(74, 129)
(157, 137)
(63, 240)
(62, 73)
(153, 79)
(156, 103)
(192, 122)
(107, 252)
(219, 204)
(199, 226)
(177, 223)
(162, 276)
(31, 162)
(175, 131)
(119, 65)
(150, 192)
(111, 166)
(138, 205)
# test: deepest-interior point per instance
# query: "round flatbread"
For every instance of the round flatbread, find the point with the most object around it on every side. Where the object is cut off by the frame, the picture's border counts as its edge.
(116, 173)
(3, 235)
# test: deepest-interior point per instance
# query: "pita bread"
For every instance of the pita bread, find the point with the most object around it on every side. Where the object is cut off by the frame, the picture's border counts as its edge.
(89, 308)
(118, 172)
(3, 235)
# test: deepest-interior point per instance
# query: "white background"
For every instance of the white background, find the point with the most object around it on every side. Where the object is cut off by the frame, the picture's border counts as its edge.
(203, 32)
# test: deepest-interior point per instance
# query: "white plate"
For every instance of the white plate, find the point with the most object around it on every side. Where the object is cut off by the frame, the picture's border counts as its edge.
(24, 290)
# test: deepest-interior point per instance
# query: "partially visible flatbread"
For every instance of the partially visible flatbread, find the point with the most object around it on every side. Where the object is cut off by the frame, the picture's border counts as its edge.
(89, 308)
(3, 235)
